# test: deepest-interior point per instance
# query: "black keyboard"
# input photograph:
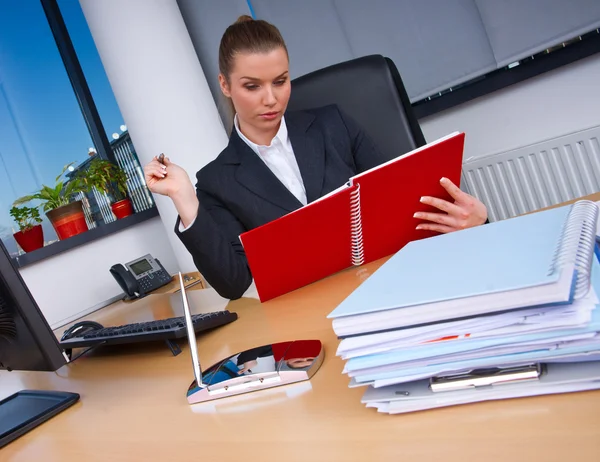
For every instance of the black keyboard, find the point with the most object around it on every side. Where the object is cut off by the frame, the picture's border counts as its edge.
(164, 329)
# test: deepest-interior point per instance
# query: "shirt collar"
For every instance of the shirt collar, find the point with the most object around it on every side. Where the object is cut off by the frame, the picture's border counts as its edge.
(281, 135)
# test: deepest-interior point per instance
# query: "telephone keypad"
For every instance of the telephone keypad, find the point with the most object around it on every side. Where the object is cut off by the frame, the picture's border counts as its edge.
(154, 280)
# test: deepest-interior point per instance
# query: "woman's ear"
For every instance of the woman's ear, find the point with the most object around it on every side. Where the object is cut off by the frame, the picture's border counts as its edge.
(224, 86)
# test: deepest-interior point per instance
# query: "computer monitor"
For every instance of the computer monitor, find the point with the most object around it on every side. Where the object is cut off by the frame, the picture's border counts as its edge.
(26, 341)
(28, 344)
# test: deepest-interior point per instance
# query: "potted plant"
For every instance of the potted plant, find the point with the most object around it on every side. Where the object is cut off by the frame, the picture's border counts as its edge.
(66, 216)
(30, 235)
(109, 178)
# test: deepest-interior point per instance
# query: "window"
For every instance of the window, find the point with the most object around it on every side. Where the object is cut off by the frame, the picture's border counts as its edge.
(45, 126)
(562, 54)
(122, 148)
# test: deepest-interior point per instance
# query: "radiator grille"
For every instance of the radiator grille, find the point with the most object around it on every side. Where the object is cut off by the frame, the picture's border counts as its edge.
(536, 176)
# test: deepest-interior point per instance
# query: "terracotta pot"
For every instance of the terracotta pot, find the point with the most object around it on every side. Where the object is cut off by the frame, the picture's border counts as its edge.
(122, 209)
(68, 220)
(31, 239)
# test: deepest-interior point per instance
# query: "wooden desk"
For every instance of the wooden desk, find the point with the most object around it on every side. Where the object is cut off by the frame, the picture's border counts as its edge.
(191, 280)
(133, 405)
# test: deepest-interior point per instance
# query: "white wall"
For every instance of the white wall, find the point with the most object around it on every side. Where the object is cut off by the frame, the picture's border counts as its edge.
(160, 88)
(73, 282)
(556, 103)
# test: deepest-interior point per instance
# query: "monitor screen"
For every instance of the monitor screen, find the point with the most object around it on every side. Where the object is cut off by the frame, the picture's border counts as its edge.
(26, 343)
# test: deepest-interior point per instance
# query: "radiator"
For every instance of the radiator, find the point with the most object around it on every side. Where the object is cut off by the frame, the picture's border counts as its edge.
(536, 176)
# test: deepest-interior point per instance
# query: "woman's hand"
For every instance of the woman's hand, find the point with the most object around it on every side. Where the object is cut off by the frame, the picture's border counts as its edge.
(171, 180)
(168, 179)
(465, 212)
(247, 367)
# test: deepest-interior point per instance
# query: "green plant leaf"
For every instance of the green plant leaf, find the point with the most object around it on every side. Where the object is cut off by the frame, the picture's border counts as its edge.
(65, 168)
(25, 199)
(57, 195)
(106, 177)
(25, 217)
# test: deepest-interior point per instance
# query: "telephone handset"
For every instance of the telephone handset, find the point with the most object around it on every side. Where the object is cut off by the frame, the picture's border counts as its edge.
(140, 276)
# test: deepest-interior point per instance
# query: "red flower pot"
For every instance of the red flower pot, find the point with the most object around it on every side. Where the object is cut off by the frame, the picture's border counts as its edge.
(68, 220)
(30, 240)
(122, 209)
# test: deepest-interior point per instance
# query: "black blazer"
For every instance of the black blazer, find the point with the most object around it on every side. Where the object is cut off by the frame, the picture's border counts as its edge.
(238, 192)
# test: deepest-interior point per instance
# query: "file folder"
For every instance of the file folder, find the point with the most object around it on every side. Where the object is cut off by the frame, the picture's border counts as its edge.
(538, 259)
(368, 218)
(435, 352)
(529, 320)
(417, 396)
(548, 344)
(564, 345)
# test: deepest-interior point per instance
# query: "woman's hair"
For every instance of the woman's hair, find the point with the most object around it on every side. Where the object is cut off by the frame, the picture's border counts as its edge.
(246, 35)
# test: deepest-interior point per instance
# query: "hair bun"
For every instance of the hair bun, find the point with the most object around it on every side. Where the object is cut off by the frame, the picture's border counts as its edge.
(244, 18)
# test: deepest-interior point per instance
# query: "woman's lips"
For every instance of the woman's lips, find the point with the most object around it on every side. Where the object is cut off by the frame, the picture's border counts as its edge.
(269, 115)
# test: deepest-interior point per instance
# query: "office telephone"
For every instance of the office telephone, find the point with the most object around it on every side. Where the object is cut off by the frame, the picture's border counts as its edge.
(140, 276)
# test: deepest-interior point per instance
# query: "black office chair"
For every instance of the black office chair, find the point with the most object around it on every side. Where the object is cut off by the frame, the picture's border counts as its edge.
(370, 90)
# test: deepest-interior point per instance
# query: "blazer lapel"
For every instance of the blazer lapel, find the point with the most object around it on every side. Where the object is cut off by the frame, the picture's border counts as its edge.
(257, 177)
(309, 151)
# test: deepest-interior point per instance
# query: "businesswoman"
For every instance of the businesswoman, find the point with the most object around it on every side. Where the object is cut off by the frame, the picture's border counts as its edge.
(275, 162)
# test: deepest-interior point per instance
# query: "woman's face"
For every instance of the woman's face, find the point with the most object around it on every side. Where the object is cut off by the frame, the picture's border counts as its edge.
(296, 363)
(259, 87)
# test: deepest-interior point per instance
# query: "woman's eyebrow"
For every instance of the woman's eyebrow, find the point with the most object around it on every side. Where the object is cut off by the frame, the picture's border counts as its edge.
(256, 79)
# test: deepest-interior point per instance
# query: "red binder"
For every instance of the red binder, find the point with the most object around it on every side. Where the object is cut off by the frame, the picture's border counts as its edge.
(368, 218)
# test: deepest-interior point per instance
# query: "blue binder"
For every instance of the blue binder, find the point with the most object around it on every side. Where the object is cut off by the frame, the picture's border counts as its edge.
(538, 259)
(562, 347)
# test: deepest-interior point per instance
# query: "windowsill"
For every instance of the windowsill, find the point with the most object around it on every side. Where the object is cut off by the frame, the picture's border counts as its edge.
(84, 238)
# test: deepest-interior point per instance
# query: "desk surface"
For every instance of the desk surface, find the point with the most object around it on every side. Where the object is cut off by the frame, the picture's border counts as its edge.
(133, 404)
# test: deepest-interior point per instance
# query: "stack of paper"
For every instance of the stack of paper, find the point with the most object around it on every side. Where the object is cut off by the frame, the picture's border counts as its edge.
(474, 310)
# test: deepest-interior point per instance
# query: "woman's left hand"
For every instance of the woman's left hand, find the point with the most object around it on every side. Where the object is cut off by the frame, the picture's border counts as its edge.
(465, 212)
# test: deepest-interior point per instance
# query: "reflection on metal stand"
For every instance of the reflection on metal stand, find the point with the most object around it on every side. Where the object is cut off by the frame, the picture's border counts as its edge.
(173, 347)
(258, 368)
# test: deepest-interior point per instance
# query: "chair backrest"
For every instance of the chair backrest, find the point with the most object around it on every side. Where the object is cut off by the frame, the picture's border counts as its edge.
(370, 90)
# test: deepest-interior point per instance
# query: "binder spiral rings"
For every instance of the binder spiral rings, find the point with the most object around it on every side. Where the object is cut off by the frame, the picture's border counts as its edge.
(358, 252)
(576, 245)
